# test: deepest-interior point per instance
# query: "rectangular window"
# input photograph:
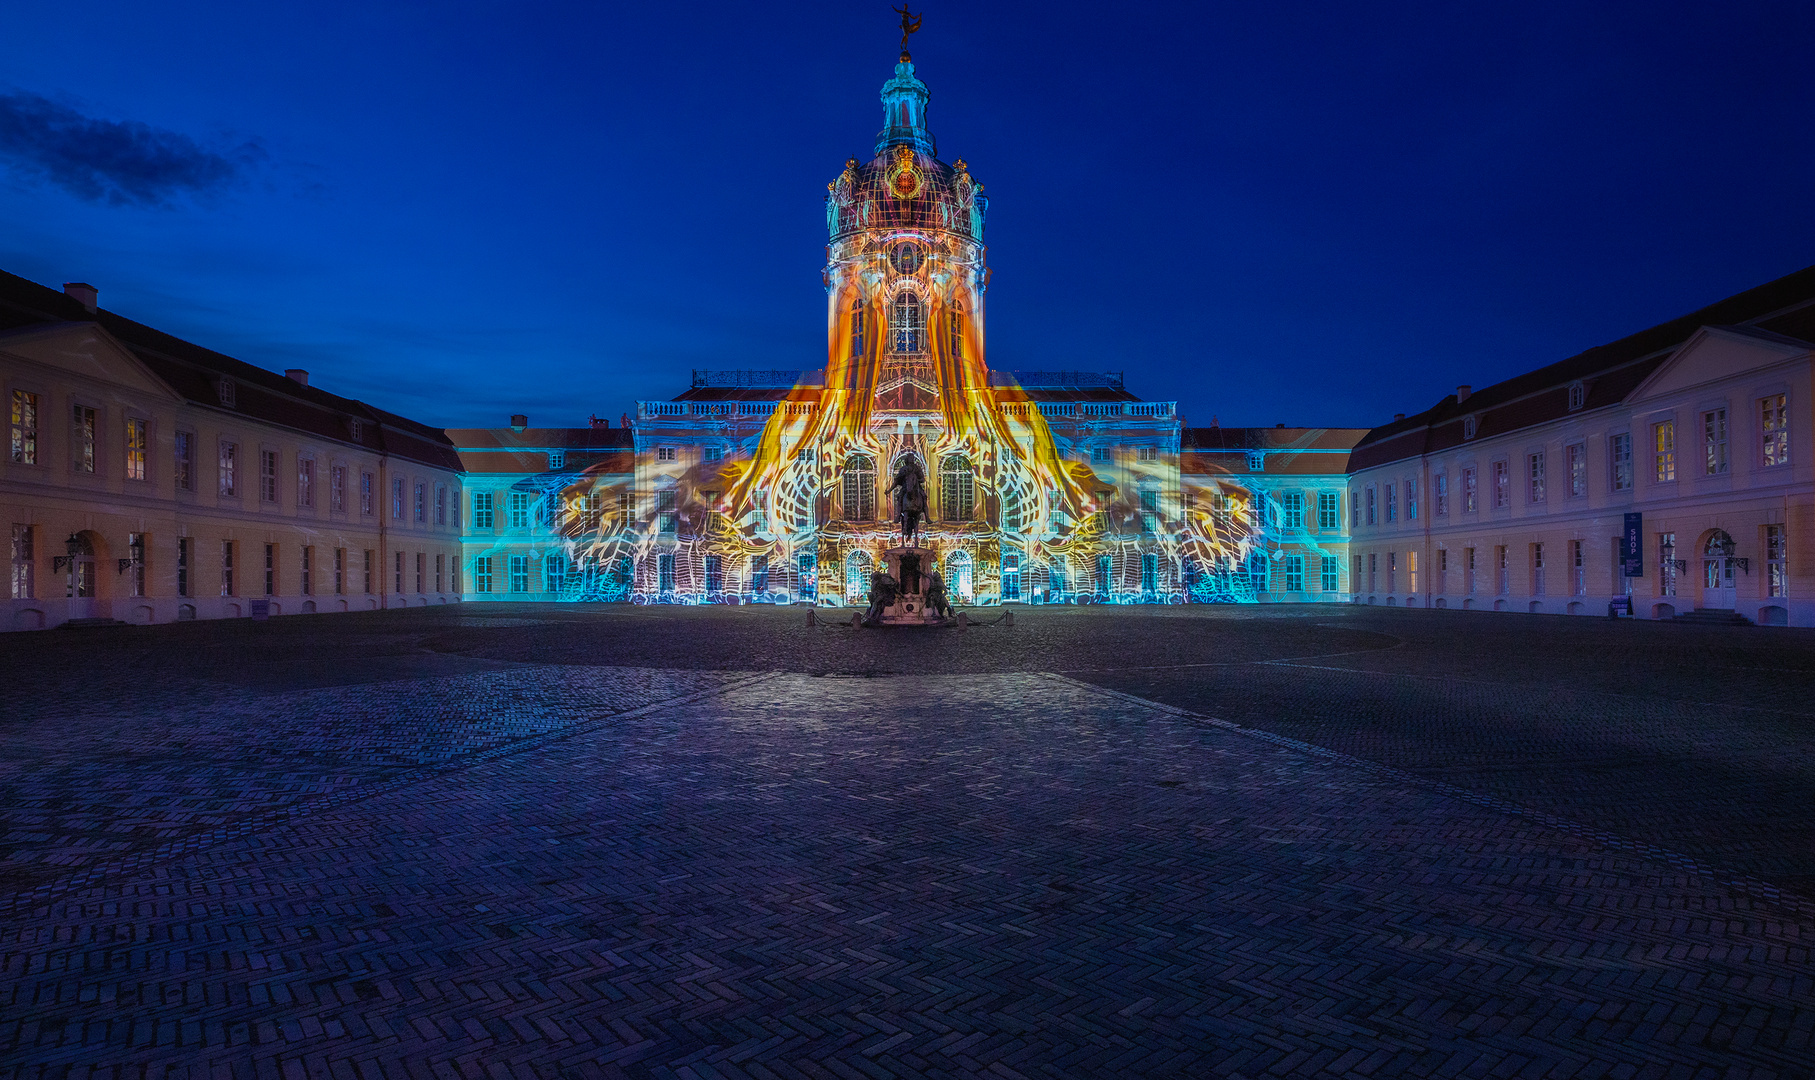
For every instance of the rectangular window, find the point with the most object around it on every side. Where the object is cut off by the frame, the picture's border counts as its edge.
(1411, 499)
(25, 428)
(1328, 512)
(1440, 494)
(1774, 424)
(421, 574)
(1147, 453)
(366, 509)
(1714, 442)
(305, 482)
(1502, 485)
(1774, 560)
(665, 453)
(1666, 564)
(1663, 436)
(399, 573)
(1534, 477)
(1578, 568)
(664, 574)
(367, 570)
(1471, 490)
(1150, 510)
(82, 430)
(25, 566)
(1575, 458)
(270, 569)
(667, 521)
(440, 504)
(714, 453)
(1537, 569)
(422, 504)
(1354, 510)
(482, 510)
(1293, 504)
(1373, 507)
(227, 568)
(397, 500)
(715, 574)
(440, 568)
(1392, 571)
(230, 469)
(1502, 580)
(482, 574)
(1099, 455)
(1373, 571)
(135, 565)
(1392, 503)
(1295, 573)
(1468, 570)
(340, 571)
(1257, 571)
(308, 571)
(337, 488)
(1411, 571)
(267, 476)
(519, 509)
(1619, 453)
(182, 565)
(554, 572)
(453, 573)
(759, 574)
(185, 461)
(1328, 584)
(1442, 571)
(135, 448)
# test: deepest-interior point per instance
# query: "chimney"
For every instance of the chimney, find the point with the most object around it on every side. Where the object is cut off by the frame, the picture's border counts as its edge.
(1462, 393)
(83, 293)
(1213, 422)
(518, 421)
(1279, 425)
(298, 374)
(1399, 416)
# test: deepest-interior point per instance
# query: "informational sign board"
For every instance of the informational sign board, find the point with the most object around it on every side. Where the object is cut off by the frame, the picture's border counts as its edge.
(1632, 546)
(259, 609)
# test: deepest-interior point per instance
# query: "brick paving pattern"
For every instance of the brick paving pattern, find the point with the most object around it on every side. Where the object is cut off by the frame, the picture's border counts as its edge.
(579, 870)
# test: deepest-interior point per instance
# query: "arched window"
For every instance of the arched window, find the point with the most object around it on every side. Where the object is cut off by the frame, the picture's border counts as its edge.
(908, 323)
(858, 329)
(857, 571)
(859, 488)
(958, 576)
(954, 330)
(957, 489)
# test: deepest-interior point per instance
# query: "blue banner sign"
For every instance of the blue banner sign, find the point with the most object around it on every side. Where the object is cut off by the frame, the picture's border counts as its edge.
(1632, 546)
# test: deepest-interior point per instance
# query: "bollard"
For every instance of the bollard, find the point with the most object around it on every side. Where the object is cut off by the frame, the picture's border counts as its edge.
(810, 620)
(964, 622)
(857, 620)
(1008, 619)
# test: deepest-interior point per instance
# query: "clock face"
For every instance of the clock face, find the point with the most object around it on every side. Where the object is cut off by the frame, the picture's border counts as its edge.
(905, 257)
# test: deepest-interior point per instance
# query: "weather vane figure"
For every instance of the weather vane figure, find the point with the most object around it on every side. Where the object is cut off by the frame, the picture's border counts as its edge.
(909, 24)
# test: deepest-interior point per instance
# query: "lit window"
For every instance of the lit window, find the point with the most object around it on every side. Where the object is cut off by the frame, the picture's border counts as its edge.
(859, 488)
(135, 451)
(1328, 513)
(482, 510)
(859, 328)
(482, 574)
(1293, 505)
(519, 509)
(519, 573)
(1328, 575)
(1534, 477)
(1576, 458)
(1295, 573)
(1664, 438)
(907, 323)
(954, 331)
(957, 489)
(25, 564)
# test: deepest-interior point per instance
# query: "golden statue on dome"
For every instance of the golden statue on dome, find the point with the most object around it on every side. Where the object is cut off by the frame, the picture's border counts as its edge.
(910, 23)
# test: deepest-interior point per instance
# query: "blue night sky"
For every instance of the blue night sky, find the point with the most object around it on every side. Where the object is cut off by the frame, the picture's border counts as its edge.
(1315, 214)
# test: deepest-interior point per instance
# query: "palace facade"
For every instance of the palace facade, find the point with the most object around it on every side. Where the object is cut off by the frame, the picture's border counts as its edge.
(773, 486)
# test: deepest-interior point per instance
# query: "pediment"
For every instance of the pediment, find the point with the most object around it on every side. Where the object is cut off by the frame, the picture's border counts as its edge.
(85, 351)
(1714, 353)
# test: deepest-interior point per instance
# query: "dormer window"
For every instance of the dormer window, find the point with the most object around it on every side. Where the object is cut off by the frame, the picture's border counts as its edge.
(1468, 427)
(356, 429)
(227, 391)
(557, 459)
(1257, 461)
(1577, 395)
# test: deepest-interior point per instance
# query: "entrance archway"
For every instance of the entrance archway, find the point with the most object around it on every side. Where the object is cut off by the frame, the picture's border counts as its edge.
(83, 584)
(1719, 590)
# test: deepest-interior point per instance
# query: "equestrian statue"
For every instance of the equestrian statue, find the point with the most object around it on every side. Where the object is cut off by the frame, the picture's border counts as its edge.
(909, 494)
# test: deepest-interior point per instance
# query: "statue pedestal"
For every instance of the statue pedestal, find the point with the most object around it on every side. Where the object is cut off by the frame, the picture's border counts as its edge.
(909, 565)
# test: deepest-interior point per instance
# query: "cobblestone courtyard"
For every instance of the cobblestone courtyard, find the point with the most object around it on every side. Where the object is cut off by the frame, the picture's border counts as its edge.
(1292, 841)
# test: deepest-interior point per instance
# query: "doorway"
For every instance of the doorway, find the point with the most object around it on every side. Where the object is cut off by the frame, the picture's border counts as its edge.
(1718, 587)
(83, 584)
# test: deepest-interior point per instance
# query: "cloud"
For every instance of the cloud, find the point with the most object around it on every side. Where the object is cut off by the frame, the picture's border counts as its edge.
(118, 162)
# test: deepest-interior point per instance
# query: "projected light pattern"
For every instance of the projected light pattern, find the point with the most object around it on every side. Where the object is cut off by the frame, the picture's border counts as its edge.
(750, 488)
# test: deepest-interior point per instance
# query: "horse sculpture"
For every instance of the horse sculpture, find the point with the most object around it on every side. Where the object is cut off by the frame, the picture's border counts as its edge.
(909, 493)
